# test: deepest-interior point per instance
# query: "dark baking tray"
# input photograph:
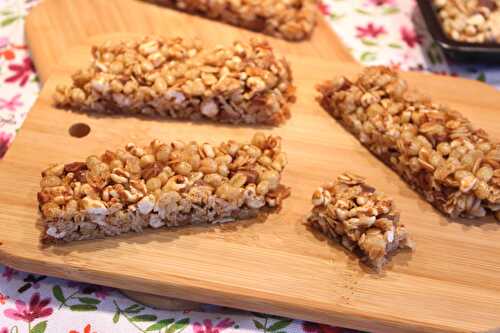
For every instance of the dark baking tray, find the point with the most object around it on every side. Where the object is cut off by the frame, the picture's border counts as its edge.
(458, 51)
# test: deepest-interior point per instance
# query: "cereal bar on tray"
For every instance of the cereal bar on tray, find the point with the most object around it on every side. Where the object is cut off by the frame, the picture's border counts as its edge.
(470, 21)
(287, 19)
(432, 147)
(178, 78)
(161, 185)
(361, 219)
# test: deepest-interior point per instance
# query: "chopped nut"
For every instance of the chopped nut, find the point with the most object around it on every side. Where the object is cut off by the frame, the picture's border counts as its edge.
(74, 167)
(55, 170)
(154, 170)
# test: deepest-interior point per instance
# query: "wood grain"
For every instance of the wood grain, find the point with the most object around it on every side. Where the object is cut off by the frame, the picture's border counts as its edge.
(54, 25)
(450, 284)
(161, 302)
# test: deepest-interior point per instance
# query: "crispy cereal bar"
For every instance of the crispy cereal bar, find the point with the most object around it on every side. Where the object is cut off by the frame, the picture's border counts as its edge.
(160, 185)
(288, 19)
(435, 149)
(177, 78)
(363, 220)
(471, 21)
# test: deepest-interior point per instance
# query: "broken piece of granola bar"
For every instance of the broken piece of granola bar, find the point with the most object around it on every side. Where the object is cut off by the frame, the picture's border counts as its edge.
(287, 19)
(361, 219)
(179, 78)
(432, 147)
(160, 185)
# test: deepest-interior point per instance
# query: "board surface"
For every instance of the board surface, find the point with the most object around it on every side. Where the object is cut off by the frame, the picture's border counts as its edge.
(449, 284)
(54, 25)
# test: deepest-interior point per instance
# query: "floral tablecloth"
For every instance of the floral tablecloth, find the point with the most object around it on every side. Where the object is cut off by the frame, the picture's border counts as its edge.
(377, 31)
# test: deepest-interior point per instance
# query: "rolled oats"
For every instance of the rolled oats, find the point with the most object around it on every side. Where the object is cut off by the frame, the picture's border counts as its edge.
(361, 219)
(180, 191)
(287, 19)
(435, 149)
(187, 82)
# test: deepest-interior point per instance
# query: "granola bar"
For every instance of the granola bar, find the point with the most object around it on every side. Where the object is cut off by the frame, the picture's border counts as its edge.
(287, 19)
(178, 78)
(161, 185)
(432, 147)
(361, 219)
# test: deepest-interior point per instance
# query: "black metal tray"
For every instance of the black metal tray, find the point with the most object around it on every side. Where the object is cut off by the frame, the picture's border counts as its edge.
(457, 51)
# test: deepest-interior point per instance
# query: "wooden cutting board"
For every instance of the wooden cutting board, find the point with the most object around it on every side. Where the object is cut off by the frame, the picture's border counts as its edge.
(450, 284)
(54, 25)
